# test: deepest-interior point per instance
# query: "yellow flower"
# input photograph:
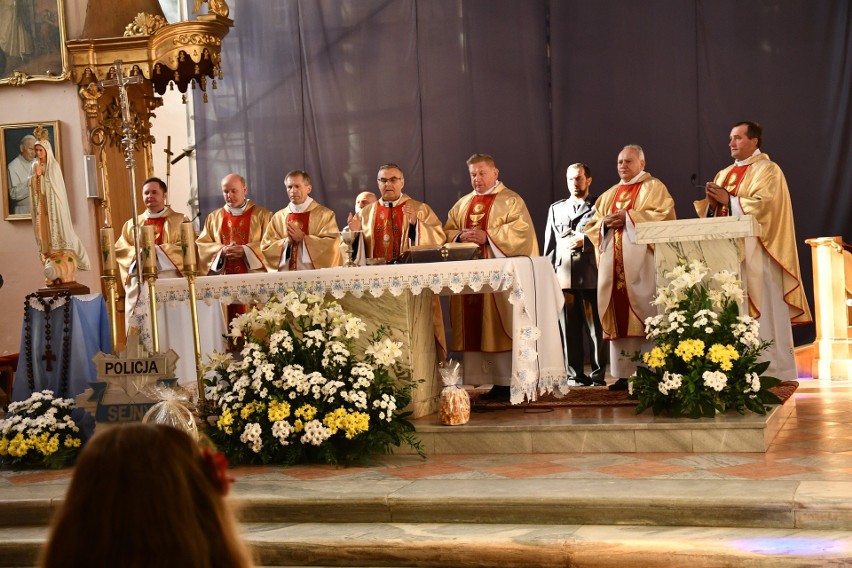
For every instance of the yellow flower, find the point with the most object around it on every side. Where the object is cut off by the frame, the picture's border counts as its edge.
(4, 446)
(306, 412)
(278, 410)
(72, 442)
(723, 355)
(225, 421)
(18, 446)
(351, 424)
(690, 348)
(298, 425)
(656, 358)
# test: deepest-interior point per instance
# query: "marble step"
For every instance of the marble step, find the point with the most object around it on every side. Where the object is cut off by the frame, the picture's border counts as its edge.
(515, 430)
(510, 545)
(779, 504)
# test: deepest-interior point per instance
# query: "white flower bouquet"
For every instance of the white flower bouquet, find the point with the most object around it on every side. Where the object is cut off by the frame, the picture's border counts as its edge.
(705, 353)
(297, 392)
(40, 432)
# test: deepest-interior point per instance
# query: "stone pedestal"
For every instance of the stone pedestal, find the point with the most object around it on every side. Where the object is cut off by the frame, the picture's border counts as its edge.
(408, 319)
(832, 268)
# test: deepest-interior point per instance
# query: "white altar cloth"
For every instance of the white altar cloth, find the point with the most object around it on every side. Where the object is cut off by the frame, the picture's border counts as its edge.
(537, 361)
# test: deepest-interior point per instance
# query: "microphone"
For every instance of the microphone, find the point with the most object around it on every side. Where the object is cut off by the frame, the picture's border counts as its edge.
(186, 152)
(692, 180)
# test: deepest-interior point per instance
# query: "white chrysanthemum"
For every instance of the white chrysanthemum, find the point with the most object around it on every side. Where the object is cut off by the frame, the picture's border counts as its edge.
(716, 380)
(282, 429)
(252, 436)
(315, 433)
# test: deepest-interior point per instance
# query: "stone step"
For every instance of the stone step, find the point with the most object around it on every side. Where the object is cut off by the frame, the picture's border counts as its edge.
(510, 545)
(599, 430)
(795, 504)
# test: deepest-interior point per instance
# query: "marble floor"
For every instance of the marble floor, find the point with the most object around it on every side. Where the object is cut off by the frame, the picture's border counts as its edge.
(810, 459)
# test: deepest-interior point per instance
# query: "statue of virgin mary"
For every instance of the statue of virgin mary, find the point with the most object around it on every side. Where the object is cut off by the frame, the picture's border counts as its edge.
(62, 253)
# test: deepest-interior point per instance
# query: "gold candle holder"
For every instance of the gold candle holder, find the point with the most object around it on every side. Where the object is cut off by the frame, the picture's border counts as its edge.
(149, 274)
(190, 269)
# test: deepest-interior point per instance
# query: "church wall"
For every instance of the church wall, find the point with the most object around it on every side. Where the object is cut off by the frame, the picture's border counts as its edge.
(19, 258)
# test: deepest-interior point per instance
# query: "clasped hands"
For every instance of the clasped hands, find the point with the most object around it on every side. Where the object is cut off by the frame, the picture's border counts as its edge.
(717, 195)
(477, 236)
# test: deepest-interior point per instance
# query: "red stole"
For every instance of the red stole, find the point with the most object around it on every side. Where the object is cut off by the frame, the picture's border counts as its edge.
(477, 216)
(235, 230)
(387, 231)
(301, 220)
(732, 185)
(159, 224)
(625, 198)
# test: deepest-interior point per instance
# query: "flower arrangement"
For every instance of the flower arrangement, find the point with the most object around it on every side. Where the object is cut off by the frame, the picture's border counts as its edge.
(297, 392)
(40, 432)
(704, 358)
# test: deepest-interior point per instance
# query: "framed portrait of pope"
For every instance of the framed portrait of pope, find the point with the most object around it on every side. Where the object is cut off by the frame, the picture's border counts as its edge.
(17, 148)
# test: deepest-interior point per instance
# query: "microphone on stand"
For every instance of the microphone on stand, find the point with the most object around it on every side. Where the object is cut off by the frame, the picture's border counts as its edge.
(711, 212)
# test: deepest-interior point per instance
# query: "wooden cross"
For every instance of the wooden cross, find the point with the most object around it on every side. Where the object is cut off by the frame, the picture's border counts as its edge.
(49, 357)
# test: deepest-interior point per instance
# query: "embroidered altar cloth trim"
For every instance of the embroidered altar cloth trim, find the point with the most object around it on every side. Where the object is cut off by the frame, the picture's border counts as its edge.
(537, 362)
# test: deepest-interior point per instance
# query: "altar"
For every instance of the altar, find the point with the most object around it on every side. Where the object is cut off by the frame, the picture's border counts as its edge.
(530, 283)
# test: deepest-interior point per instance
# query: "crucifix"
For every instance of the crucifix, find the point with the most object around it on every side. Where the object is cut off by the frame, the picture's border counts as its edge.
(48, 358)
(169, 154)
(128, 141)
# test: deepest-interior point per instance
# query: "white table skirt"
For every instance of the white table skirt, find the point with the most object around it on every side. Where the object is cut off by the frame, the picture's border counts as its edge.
(538, 366)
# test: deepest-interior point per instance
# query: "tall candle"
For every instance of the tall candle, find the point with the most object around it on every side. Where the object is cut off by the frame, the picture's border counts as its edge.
(108, 250)
(187, 244)
(149, 248)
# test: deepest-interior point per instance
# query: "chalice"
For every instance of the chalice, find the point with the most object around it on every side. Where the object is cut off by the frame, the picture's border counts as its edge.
(348, 237)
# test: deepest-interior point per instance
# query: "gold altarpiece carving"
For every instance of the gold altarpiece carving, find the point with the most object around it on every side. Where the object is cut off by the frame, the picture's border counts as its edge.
(186, 55)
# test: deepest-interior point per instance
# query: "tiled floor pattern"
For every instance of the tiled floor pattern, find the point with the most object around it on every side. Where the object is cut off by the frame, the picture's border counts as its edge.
(814, 444)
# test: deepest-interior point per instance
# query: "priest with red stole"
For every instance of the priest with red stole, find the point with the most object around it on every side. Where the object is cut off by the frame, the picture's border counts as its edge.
(496, 218)
(230, 240)
(755, 185)
(626, 270)
(303, 235)
(395, 223)
(166, 224)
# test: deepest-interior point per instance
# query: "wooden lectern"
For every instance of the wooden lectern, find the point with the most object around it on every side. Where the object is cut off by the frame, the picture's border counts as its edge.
(832, 268)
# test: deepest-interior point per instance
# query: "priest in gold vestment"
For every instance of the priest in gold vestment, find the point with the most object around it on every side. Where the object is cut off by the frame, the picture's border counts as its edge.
(626, 271)
(496, 218)
(396, 222)
(166, 224)
(230, 241)
(303, 235)
(755, 185)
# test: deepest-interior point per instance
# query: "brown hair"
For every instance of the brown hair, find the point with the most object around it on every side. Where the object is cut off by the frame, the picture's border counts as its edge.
(158, 181)
(305, 177)
(477, 158)
(753, 130)
(587, 171)
(144, 495)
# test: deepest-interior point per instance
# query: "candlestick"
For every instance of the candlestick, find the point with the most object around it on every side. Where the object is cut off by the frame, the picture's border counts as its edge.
(108, 251)
(149, 248)
(187, 244)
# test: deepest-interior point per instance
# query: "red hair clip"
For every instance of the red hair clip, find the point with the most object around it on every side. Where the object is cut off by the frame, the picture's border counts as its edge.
(216, 468)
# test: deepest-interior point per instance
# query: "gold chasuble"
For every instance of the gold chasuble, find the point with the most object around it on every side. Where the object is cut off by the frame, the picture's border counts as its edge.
(483, 322)
(626, 274)
(167, 231)
(380, 224)
(759, 187)
(319, 249)
(222, 228)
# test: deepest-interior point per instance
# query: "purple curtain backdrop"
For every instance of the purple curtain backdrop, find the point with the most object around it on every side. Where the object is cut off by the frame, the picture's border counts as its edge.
(339, 87)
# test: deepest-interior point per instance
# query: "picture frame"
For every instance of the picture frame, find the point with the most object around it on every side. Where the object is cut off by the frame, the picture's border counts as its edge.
(32, 42)
(13, 176)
